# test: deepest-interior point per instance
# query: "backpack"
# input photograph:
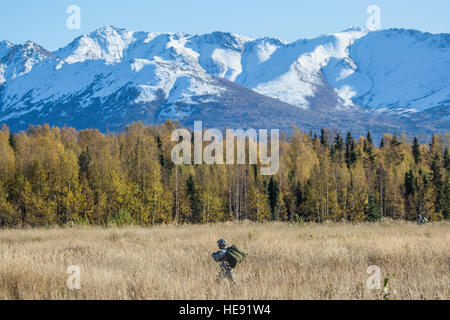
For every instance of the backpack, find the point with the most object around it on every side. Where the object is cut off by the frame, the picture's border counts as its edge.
(234, 256)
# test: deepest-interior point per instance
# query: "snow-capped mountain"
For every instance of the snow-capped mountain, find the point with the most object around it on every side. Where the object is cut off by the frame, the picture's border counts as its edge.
(18, 60)
(390, 80)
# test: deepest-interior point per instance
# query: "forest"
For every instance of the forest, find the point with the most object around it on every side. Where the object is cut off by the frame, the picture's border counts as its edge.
(60, 176)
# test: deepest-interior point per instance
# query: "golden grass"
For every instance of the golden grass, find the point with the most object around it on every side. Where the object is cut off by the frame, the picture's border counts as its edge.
(313, 261)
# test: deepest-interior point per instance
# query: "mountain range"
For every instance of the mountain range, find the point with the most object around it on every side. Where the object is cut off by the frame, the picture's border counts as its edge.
(392, 80)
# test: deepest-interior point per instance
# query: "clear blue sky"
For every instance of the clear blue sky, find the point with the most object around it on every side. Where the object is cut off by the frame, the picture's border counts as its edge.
(44, 21)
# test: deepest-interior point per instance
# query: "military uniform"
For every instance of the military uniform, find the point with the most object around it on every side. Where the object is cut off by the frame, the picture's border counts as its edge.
(225, 270)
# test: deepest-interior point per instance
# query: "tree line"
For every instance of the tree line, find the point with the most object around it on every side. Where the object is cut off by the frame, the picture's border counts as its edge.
(57, 176)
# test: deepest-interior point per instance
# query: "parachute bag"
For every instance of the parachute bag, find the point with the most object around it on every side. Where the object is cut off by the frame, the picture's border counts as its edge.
(234, 256)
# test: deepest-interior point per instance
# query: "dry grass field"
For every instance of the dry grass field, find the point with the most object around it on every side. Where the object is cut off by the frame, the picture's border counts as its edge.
(284, 261)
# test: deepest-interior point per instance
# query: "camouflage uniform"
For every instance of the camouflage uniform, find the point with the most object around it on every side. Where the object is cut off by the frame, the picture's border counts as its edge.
(225, 270)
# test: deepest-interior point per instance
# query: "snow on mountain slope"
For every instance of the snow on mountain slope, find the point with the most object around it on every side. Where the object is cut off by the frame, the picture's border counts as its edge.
(96, 66)
(114, 73)
(396, 70)
(292, 73)
(53, 83)
(5, 46)
(254, 54)
(107, 44)
(219, 53)
(17, 60)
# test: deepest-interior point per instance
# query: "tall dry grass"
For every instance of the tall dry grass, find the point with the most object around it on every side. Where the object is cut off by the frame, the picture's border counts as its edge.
(173, 262)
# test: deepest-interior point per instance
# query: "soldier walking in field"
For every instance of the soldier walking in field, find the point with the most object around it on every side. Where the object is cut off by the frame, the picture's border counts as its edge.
(421, 220)
(229, 259)
(220, 256)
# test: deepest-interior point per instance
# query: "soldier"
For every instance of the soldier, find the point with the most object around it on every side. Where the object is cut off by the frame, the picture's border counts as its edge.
(225, 270)
(421, 220)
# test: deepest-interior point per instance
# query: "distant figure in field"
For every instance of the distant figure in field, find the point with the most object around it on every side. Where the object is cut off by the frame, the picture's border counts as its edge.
(421, 220)
(229, 259)
(225, 269)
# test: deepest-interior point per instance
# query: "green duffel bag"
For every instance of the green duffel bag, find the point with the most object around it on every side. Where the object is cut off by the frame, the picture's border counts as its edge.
(234, 256)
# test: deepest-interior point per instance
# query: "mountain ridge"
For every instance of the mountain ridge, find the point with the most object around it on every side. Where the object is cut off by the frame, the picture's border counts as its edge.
(331, 80)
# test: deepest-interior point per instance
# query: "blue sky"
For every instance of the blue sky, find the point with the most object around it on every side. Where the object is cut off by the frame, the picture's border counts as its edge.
(44, 21)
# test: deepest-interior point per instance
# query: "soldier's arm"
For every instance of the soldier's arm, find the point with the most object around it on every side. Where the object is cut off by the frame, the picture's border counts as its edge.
(219, 255)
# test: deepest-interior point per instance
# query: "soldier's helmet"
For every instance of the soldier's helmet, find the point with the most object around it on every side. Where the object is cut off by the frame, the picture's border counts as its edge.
(222, 242)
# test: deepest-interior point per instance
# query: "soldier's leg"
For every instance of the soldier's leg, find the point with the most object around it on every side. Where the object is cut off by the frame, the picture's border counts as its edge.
(230, 274)
(232, 278)
(222, 273)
